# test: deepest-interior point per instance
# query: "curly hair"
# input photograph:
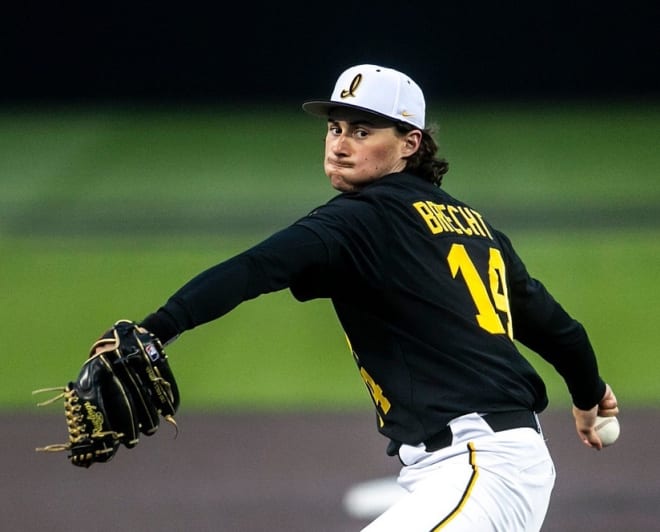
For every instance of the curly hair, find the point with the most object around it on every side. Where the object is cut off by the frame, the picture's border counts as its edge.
(424, 163)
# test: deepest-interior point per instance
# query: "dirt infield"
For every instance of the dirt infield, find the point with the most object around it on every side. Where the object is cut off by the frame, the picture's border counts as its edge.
(288, 472)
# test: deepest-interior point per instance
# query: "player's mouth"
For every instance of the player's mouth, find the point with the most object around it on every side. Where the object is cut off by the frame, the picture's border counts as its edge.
(339, 164)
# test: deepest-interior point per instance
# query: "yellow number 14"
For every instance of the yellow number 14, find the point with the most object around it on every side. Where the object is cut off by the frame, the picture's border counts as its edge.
(487, 316)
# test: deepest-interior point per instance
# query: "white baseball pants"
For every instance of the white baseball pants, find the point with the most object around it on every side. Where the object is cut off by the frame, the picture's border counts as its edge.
(484, 482)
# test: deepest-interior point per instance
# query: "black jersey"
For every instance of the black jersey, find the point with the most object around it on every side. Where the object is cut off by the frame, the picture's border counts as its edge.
(431, 298)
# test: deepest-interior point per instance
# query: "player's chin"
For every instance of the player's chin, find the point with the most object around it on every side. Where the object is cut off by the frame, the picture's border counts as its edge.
(345, 182)
(339, 183)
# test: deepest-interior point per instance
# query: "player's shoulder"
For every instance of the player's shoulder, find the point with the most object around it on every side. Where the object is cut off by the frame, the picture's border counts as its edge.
(400, 183)
(394, 190)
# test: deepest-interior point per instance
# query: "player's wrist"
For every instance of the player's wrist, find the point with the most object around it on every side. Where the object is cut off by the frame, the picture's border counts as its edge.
(588, 399)
(161, 325)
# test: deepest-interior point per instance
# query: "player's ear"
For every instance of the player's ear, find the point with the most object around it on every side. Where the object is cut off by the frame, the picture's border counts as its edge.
(411, 142)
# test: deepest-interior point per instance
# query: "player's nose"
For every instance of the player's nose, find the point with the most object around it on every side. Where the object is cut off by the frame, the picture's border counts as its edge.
(340, 144)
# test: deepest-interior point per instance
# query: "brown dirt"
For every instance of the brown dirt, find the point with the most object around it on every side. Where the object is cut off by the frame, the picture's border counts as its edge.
(288, 472)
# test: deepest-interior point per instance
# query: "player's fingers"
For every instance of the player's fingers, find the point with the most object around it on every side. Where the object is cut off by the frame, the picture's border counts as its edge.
(590, 439)
(608, 398)
(608, 406)
(585, 421)
(608, 411)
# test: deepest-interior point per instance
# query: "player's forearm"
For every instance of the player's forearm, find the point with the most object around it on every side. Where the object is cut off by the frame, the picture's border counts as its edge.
(208, 296)
(543, 325)
(563, 341)
(267, 267)
(574, 359)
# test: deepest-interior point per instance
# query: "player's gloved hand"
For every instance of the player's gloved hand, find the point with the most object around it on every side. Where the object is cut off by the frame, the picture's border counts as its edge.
(585, 420)
(123, 389)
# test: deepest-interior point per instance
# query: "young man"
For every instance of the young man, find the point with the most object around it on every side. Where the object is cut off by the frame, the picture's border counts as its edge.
(431, 297)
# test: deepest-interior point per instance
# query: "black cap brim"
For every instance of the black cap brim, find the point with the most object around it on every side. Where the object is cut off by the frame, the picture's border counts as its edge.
(323, 108)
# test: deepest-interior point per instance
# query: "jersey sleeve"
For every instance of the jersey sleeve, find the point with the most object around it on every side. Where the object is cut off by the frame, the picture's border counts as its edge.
(542, 324)
(269, 266)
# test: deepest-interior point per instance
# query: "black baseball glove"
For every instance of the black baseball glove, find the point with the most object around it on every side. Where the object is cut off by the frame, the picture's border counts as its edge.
(123, 389)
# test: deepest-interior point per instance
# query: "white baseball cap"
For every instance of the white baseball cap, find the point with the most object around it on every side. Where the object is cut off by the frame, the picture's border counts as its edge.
(378, 90)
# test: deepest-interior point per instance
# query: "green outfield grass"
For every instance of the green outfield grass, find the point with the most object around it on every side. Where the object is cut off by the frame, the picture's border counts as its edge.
(195, 186)
(275, 352)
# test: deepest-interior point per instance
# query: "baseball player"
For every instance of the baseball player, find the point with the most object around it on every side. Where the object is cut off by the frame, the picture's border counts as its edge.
(431, 297)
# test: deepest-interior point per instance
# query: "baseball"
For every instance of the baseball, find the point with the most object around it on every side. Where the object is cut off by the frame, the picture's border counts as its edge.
(608, 429)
